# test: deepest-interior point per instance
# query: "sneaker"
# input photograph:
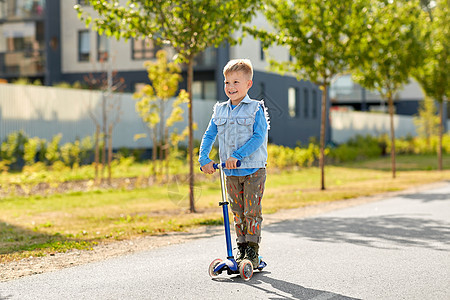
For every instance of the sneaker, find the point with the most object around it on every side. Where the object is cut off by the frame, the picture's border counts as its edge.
(240, 255)
(252, 255)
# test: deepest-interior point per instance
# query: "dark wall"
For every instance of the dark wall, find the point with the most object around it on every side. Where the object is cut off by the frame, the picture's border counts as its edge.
(287, 130)
(52, 42)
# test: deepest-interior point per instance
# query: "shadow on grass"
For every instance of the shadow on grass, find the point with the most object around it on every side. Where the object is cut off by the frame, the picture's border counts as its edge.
(15, 240)
(281, 289)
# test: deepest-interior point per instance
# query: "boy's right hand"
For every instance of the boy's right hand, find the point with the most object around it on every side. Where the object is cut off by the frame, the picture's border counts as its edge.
(208, 168)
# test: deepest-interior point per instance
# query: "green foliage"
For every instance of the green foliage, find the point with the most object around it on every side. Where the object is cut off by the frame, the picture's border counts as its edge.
(189, 28)
(318, 34)
(153, 98)
(26, 81)
(421, 145)
(433, 73)
(358, 148)
(427, 122)
(31, 149)
(390, 47)
(283, 157)
(66, 85)
(13, 148)
(70, 154)
(52, 154)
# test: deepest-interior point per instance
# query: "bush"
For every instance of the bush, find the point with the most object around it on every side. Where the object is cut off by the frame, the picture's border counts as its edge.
(282, 157)
(12, 149)
(358, 148)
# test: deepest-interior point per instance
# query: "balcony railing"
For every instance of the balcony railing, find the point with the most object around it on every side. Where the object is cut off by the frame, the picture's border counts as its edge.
(24, 9)
(22, 63)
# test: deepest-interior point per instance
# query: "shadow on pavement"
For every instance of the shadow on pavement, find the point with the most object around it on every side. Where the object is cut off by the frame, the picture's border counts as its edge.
(2, 297)
(284, 289)
(425, 197)
(370, 232)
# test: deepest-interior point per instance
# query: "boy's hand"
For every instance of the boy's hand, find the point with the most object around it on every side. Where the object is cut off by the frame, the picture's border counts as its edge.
(209, 168)
(231, 163)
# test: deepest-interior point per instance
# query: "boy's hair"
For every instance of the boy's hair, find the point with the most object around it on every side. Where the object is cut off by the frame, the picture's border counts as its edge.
(242, 65)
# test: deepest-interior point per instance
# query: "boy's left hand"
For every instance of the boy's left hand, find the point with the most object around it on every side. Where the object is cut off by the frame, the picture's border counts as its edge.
(231, 163)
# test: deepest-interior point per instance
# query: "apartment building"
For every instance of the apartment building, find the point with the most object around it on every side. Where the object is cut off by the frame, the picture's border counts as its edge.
(45, 40)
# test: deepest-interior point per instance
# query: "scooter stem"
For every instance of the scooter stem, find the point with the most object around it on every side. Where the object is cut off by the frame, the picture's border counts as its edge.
(226, 220)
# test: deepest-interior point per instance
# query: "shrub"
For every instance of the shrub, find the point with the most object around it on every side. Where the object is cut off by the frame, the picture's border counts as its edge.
(360, 147)
(12, 149)
(31, 148)
(283, 157)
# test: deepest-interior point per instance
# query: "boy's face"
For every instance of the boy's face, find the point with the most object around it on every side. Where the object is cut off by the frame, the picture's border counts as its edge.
(236, 86)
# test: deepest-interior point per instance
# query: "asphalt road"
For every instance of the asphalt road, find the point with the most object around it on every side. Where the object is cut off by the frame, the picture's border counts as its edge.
(396, 248)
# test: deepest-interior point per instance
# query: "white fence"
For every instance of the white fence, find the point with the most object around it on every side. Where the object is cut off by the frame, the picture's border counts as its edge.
(45, 111)
(345, 125)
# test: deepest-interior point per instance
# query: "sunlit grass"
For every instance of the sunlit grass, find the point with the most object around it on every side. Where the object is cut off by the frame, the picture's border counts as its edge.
(38, 225)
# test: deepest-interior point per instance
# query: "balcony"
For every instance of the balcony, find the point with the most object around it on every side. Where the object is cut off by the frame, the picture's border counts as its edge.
(11, 10)
(22, 63)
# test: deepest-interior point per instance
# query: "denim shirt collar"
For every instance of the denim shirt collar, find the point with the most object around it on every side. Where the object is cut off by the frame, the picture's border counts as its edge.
(245, 100)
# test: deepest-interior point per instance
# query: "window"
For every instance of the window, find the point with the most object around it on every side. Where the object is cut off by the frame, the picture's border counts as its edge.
(292, 102)
(306, 104)
(314, 104)
(144, 49)
(84, 47)
(102, 48)
(204, 90)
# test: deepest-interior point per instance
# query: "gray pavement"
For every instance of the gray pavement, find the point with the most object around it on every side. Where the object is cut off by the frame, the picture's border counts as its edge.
(397, 248)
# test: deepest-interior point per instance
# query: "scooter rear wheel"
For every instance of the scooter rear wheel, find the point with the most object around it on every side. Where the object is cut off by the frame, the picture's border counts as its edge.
(212, 266)
(246, 269)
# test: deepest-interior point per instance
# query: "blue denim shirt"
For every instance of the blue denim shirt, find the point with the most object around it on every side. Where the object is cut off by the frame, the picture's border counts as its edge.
(256, 141)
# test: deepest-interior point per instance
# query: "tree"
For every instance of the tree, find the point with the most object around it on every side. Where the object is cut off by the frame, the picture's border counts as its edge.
(318, 35)
(189, 26)
(427, 122)
(105, 117)
(388, 51)
(432, 74)
(152, 103)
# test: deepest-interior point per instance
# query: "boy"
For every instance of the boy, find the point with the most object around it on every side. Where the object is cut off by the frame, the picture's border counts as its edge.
(241, 125)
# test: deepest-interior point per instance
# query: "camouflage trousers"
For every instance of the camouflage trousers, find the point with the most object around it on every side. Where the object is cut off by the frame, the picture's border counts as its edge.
(245, 194)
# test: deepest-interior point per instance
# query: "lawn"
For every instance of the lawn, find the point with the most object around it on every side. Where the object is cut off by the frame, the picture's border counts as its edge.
(41, 225)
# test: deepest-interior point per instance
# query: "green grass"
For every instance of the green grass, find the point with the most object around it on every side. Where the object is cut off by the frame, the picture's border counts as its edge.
(39, 225)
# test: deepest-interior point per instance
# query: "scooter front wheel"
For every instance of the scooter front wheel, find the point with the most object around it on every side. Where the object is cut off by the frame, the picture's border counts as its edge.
(246, 269)
(212, 266)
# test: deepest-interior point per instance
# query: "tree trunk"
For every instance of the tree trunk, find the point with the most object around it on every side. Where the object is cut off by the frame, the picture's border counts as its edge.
(110, 153)
(97, 151)
(166, 153)
(391, 115)
(105, 136)
(154, 152)
(161, 139)
(441, 129)
(190, 78)
(323, 123)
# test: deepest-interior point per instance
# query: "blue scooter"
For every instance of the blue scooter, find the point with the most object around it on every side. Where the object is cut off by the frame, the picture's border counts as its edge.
(217, 266)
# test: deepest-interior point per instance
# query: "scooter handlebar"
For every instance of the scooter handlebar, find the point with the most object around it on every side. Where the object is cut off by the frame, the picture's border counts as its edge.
(216, 166)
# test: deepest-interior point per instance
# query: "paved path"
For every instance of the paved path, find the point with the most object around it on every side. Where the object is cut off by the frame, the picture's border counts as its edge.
(397, 248)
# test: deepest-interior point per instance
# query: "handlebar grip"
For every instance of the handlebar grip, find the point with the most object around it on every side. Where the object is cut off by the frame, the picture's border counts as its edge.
(216, 166)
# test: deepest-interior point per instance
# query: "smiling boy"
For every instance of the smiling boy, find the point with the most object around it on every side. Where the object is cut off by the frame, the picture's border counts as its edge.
(241, 125)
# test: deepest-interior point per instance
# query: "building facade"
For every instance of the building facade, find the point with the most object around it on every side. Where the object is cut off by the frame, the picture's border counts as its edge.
(45, 40)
